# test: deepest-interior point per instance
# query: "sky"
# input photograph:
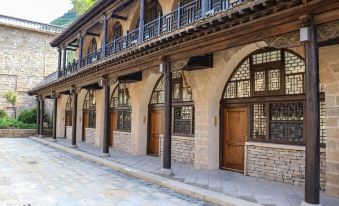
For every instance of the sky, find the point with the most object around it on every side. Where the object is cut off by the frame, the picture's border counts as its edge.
(43, 11)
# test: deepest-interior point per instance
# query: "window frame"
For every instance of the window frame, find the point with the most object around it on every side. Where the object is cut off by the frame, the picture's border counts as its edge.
(90, 108)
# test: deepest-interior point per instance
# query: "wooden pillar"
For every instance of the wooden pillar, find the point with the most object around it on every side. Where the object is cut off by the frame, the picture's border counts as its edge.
(59, 62)
(38, 115)
(41, 117)
(165, 66)
(64, 59)
(106, 119)
(81, 42)
(141, 20)
(104, 37)
(74, 92)
(55, 105)
(204, 7)
(312, 168)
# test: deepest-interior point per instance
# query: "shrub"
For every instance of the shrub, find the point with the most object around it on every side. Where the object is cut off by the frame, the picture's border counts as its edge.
(3, 114)
(28, 116)
(9, 123)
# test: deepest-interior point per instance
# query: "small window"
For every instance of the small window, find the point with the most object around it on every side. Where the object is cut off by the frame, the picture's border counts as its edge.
(120, 103)
(90, 109)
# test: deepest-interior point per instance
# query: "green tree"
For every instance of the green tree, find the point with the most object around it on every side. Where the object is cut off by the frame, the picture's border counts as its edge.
(81, 6)
(66, 19)
(12, 98)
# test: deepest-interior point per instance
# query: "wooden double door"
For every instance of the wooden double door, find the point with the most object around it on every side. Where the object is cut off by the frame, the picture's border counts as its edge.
(113, 127)
(85, 125)
(235, 122)
(156, 128)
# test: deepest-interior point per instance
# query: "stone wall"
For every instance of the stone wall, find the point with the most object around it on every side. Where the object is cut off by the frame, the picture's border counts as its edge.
(25, 59)
(68, 132)
(122, 141)
(282, 163)
(182, 149)
(17, 132)
(90, 135)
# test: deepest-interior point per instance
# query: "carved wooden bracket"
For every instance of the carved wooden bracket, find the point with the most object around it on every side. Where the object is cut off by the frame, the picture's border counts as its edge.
(284, 41)
(177, 65)
(328, 31)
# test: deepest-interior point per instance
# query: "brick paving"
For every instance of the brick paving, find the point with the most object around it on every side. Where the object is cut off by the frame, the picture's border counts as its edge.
(32, 174)
(233, 184)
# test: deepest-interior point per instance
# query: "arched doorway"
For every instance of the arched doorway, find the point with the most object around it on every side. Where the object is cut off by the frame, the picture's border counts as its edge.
(263, 101)
(68, 114)
(182, 111)
(120, 108)
(89, 113)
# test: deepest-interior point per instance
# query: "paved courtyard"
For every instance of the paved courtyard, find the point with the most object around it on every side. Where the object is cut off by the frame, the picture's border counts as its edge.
(32, 174)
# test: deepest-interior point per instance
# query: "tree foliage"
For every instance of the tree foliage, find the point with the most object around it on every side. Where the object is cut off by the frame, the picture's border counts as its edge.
(11, 97)
(81, 6)
(66, 19)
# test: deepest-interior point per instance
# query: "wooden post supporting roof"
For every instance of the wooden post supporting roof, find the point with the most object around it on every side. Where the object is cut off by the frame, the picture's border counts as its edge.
(106, 120)
(141, 20)
(74, 92)
(41, 117)
(312, 168)
(81, 43)
(38, 115)
(104, 37)
(64, 59)
(59, 62)
(55, 105)
(166, 168)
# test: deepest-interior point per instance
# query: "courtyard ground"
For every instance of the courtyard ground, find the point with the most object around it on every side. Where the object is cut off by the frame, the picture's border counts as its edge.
(32, 174)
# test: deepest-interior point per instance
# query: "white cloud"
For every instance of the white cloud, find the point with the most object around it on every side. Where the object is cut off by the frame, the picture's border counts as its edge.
(43, 11)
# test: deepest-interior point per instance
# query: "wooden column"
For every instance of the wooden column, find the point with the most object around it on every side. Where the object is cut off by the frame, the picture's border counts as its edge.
(59, 62)
(64, 58)
(74, 92)
(38, 115)
(81, 42)
(106, 119)
(165, 66)
(141, 20)
(55, 105)
(104, 37)
(41, 117)
(312, 168)
(204, 7)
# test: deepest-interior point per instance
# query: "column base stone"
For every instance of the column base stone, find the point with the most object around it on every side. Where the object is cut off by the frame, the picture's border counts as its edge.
(54, 140)
(41, 136)
(166, 172)
(105, 155)
(73, 146)
(303, 203)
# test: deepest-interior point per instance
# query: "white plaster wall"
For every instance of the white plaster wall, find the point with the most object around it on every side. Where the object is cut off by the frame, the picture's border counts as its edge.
(61, 106)
(81, 98)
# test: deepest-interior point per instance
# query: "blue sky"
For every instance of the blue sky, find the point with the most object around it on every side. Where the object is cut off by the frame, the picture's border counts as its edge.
(36, 10)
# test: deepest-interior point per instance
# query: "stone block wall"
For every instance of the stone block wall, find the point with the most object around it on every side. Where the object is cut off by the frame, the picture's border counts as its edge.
(90, 135)
(68, 132)
(282, 163)
(182, 149)
(122, 141)
(17, 132)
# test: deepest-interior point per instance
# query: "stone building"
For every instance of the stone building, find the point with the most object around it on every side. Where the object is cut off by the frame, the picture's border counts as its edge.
(26, 58)
(230, 84)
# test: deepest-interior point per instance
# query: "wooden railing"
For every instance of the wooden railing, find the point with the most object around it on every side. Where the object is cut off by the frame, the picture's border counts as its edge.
(30, 24)
(176, 19)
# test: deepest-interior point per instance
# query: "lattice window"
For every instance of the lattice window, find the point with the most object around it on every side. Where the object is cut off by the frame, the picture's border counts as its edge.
(265, 57)
(259, 81)
(90, 108)
(274, 80)
(69, 105)
(183, 120)
(322, 123)
(239, 86)
(120, 103)
(259, 121)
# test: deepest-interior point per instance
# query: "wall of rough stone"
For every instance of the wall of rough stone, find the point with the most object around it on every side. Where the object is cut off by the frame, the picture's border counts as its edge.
(182, 149)
(17, 132)
(25, 59)
(90, 135)
(122, 141)
(282, 163)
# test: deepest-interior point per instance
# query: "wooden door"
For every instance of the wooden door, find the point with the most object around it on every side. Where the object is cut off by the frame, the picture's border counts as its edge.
(234, 137)
(85, 125)
(113, 126)
(156, 129)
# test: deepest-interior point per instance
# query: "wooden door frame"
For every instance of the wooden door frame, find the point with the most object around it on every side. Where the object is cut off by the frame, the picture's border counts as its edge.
(83, 138)
(150, 109)
(222, 122)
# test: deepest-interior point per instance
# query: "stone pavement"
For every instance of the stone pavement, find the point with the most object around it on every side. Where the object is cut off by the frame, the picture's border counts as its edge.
(233, 184)
(36, 175)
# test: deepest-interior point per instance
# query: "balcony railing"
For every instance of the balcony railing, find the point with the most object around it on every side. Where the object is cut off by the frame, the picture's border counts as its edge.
(183, 15)
(30, 24)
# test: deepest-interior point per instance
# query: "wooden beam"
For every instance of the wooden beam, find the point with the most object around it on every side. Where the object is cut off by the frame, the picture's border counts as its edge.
(92, 34)
(74, 116)
(115, 16)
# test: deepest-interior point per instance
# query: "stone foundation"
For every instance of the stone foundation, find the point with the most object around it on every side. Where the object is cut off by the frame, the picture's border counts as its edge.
(17, 132)
(68, 132)
(282, 163)
(122, 141)
(182, 149)
(90, 135)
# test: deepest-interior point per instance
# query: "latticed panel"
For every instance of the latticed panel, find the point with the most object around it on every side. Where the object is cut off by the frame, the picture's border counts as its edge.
(114, 99)
(243, 72)
(293, 64)
(322, 122)
(265, 57)
(259, 81)
(183, 120)
(69, 103)
(294, 84)
(239, 85)
(90, 101)
(259, 123)
(274, 80)
(286, 121)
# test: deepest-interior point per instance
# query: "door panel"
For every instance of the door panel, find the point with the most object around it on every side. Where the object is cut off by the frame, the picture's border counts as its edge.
(113, 127)
(156, 129)
(85, 118)
(235, 134)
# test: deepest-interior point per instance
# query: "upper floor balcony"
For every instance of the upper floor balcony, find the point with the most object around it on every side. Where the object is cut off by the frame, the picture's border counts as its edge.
(101, 41)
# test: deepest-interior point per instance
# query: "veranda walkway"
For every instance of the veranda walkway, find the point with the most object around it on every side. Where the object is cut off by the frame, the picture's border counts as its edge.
(233, 184)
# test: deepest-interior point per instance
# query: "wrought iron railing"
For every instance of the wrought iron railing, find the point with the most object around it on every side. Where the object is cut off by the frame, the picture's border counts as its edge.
(30, 24)
(183, 15)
